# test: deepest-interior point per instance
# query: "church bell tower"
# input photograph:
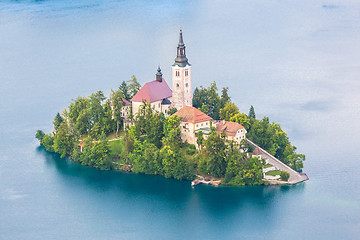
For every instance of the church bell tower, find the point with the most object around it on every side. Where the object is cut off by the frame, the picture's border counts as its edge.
(181, 78)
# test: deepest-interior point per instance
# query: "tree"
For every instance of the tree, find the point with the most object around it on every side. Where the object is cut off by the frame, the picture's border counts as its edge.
(64, 140)
(172, 133)
(79, 115)
(215, 155)
(252, 113)
(125, 90)
(242, 119)
(116, 98)
(295, 161)
(225, 98)
(39, 135)
(262, 134)
(214, 101)
(200, 139)
(57, 121)
(96, 108)
(133, 86)
(108, 121)
(229, 110)
(48, 142)
(172, 111)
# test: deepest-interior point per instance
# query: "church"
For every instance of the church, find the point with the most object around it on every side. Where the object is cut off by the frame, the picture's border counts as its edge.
(158, 92)
(161, 98)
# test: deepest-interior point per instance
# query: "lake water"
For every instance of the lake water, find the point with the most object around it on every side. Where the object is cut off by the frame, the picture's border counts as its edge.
(296, 62)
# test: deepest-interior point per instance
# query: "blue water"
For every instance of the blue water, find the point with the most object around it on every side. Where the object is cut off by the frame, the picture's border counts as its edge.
(296, 62)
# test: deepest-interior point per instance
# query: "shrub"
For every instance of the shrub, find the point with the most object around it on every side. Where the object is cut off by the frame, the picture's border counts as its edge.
(284, 175)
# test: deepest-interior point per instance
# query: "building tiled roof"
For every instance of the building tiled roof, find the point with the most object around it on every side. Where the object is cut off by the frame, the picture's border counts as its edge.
(257, 151)
(191, 114)
(153, 91)
(127, 103)
(230, 128)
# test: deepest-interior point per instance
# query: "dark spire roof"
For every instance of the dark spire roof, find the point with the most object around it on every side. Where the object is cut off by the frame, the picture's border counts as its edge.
(181, 59)
(159, 75)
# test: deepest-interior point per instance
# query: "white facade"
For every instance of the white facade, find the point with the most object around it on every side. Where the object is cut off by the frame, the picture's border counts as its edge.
(181, 86)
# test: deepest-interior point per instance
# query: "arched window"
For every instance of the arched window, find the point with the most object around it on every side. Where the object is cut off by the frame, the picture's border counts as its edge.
(177, 85)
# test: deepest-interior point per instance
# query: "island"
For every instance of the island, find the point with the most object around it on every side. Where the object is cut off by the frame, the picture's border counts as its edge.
(152, 129)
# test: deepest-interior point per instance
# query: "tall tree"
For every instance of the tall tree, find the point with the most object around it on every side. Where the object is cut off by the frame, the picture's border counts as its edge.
(200, 139)
(117, 104)
(133, 86)
(57, 121)
(252, 112)
(225, 98)
(96, 108)
(125, 90)
(64, 140)
(262, 134)
(215, 152)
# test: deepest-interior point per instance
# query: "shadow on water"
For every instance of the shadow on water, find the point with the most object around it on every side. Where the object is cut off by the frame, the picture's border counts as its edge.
(221, 198)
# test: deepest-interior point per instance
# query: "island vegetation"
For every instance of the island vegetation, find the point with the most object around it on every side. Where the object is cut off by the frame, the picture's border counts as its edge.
(152, 145)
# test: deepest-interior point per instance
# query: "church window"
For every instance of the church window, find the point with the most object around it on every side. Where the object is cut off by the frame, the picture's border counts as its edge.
(186, 84)
(177, 85)
(177, 73)
(159, 105)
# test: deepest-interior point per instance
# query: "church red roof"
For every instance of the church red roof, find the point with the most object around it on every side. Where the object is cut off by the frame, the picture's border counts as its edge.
(153, 91)
(191, 114)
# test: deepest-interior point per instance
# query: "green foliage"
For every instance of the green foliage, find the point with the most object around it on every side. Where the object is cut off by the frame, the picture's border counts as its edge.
(225, 98)
(125, 90)
(95, 154)
(57, 121)
(133, 86)
(79, 115)
(274, 140)
(242, 119)
(172, 133)
(228, 111)
(39, 135)
(252, 112)
(48, 142)
(200, 139)
(215, 150)
(172, 111)
(250, 173)
(295, 161)
(117, 103)
(96, 108)
(284, 175)
(262, 134)
(64, 140)
(246, 146)
(96, 130)
(208, 100)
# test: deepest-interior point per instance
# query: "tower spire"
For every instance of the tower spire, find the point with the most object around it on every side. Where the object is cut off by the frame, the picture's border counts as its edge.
(159, 75)
(181, 59)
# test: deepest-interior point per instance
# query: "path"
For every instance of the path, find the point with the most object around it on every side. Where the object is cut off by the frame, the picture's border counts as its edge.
(294, 178)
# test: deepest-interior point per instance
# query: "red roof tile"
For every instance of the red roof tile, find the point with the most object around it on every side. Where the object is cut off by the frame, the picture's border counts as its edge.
(127, 103)
(153, 91)
(191, 114)
(230, 128)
